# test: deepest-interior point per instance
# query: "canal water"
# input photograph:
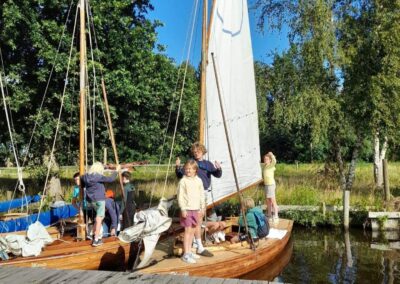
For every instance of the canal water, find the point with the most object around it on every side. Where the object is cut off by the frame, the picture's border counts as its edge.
(330, 256)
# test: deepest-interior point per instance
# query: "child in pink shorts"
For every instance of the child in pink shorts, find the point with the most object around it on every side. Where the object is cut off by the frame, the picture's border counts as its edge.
(191, 202)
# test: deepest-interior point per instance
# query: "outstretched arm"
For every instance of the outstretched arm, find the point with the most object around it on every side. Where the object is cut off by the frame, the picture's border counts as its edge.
(216, 169)
(108, 179)
(273, 160)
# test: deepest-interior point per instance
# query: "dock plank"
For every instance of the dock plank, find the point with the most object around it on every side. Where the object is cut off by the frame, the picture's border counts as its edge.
(18, 275)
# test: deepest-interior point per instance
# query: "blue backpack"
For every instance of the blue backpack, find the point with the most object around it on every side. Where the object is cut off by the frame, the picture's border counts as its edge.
(262, 225)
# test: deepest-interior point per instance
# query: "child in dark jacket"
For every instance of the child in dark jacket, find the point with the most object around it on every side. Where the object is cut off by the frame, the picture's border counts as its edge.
(95, 192)
(129, 205)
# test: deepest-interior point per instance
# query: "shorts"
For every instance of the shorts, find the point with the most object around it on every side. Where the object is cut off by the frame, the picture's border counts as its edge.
(270, 190)
(191, 220)
(99, 207)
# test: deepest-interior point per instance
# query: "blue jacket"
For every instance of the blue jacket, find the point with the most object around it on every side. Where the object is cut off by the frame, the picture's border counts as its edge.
(94, 183)
(206, 169)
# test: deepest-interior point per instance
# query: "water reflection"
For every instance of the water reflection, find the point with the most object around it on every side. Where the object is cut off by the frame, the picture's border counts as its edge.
(334, 256)
(271, 271)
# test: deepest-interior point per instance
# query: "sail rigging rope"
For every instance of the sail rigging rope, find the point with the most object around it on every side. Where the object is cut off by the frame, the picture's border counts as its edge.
(189, 36)
(59, 117)
(93, 122)
(180, 103)
(48, 82)
(6, 92)
(101, 71)
(94, 38)
(20, 184)
(43, 99)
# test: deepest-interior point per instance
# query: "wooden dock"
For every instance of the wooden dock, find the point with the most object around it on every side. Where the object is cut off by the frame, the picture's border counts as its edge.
(384, 221)
(17, 275)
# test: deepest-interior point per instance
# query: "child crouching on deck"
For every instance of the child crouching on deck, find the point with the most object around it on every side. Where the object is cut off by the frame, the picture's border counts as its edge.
(191, 201)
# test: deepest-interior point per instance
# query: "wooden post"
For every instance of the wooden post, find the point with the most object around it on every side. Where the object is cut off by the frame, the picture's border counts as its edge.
(386, 180)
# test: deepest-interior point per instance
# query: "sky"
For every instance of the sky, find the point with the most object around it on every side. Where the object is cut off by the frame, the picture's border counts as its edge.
(176, 16)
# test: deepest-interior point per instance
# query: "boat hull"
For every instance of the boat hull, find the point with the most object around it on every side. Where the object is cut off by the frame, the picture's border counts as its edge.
(112, 255)
(229, 261)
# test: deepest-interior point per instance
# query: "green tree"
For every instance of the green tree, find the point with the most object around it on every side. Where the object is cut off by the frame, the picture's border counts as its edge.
(140, 82)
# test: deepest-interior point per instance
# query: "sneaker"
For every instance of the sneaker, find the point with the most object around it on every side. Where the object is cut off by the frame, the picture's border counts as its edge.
(194, 256)
(221, 236)
(216, 238)
(97, 243)
(276, 220)
(186, 258)
(205, 253)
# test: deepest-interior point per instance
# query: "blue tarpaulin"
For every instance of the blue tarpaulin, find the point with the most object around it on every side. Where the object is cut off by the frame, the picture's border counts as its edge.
(46, 218)
(16, 203)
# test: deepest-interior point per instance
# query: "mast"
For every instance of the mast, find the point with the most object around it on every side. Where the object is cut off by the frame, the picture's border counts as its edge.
(210, 24)
(203, 73)
(81, 231)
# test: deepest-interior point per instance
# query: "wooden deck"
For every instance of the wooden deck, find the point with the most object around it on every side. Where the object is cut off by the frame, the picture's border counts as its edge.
(18, 275)
(229, 261)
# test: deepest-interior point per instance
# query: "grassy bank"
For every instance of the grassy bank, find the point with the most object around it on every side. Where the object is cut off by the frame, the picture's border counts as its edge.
(302, 184)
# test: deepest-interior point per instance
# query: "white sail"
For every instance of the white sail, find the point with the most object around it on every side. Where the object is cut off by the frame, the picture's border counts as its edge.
(230, 42)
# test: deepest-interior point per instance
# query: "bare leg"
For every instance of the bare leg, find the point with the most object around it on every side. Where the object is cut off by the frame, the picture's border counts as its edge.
(269, 207)
(197, 232)
(187, 239)
(275, 206)
(97, 227)
(191, 237)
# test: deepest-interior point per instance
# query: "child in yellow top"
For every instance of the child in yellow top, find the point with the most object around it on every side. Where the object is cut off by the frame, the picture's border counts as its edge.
(270, 185)
(191, 201)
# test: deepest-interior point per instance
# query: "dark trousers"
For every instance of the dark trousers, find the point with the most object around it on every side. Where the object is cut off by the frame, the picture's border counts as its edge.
(129, 211)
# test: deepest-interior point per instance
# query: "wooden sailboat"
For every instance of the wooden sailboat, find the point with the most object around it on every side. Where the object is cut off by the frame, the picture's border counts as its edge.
(68, 253)
(229, 129)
